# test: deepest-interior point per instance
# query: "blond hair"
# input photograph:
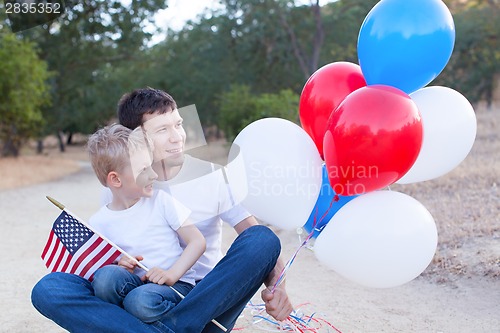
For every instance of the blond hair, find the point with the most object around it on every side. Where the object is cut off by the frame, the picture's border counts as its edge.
(110, 148)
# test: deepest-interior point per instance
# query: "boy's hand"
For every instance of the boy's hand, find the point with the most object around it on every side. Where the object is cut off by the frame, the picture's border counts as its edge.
(160, 276)
(128, 263)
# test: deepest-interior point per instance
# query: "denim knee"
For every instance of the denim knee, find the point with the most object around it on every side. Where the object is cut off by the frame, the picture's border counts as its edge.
(111, 283)
(40, 291)
(105, 277)
(134, 305)
(268, 242)
(43, 291)
(141, 305)
(55, 288)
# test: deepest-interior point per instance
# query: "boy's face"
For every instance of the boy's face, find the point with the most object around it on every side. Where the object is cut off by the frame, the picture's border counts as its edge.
(168, 136)
(138, 177)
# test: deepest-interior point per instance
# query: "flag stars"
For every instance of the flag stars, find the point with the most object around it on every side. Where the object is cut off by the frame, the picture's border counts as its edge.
(71, 233)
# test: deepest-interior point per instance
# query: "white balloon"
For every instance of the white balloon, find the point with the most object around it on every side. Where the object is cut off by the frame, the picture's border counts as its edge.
(380, 239)
(449, 132)
(275, 172)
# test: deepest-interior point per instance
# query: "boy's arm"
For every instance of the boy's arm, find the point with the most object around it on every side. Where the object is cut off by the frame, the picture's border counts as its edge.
(195, 246)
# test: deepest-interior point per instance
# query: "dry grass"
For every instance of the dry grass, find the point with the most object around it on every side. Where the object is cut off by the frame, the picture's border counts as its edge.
(464, 203)
(33, 169)
(30, 168)
(466, 207)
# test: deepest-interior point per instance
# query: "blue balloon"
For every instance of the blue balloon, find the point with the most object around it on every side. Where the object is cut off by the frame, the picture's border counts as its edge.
(325, 206)
(405, 43)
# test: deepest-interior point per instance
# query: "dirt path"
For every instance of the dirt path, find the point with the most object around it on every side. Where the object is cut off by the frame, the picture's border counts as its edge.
(26, 220)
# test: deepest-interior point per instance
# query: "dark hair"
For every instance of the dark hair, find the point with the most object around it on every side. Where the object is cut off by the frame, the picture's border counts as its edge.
(132, 106)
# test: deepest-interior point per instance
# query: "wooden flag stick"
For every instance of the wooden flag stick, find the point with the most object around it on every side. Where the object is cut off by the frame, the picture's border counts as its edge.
(62, 207)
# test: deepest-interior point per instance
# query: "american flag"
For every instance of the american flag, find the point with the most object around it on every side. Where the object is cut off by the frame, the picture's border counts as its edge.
(74, 248)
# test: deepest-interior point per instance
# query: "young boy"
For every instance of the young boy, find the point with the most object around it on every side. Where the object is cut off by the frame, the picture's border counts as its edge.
(144, 223)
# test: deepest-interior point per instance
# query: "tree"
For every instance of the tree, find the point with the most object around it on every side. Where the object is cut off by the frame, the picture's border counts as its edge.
(279, 28)
(86, 47)
(196, 64)
(475, 61)
(342, 21)
(24, 91)
(239, 107)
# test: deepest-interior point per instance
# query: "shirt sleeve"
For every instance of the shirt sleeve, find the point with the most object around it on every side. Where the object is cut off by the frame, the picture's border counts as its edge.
(235, 215)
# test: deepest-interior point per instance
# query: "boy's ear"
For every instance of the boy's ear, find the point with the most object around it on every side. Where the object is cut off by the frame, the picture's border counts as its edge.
(113, 179)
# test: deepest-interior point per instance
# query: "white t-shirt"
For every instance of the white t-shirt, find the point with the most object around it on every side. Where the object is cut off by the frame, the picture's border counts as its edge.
(148, 228)
(201, 187)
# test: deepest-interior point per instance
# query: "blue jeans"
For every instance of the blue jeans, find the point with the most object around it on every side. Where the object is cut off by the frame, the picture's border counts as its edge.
(146, 301)
(69, 300)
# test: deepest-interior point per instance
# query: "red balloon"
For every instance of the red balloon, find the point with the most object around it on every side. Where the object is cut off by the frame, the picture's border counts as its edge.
(372, 139)
(323, 93)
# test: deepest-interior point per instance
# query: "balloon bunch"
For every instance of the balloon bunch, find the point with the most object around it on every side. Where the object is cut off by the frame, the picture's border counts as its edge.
(373, 124)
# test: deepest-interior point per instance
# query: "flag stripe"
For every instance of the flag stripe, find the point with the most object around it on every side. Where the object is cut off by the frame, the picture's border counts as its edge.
(88, 255)
(50, 253)
(55, 251)
(59, 251)
(84, 252)
(64, 261)
(107, 250)
(105, 261)
(48, 245)
(60, 257)
(66, 266)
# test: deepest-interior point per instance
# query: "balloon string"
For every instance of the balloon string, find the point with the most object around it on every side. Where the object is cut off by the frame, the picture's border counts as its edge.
(335, 199)
(297, 321)
(289, 263)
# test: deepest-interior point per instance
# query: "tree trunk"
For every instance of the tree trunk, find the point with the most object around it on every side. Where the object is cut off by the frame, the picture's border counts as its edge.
(319, 37)
(60, 138)
(39, 146)
(69, 140)
(308, 64)
(10, 149)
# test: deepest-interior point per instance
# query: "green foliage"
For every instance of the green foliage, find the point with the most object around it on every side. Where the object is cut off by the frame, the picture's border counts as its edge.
(239, 107)
(96, 49)
(23, 90)
(475, 63)
(233, 58)
(342, 21)
(195, 65)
